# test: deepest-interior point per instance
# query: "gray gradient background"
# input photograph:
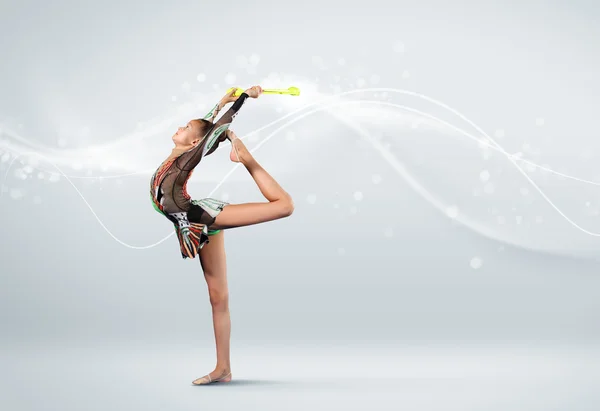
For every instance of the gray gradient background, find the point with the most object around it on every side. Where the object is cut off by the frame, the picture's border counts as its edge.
(348, 304)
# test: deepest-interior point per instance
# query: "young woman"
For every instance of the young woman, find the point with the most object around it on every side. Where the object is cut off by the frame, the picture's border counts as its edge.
(198, 223)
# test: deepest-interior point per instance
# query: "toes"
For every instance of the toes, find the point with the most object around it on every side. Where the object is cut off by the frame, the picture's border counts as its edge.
(201, 380)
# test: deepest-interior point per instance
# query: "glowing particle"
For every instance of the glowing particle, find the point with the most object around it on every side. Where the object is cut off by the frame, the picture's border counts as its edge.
(358, 196)
(54, 177)
(499, 133)
(519, 219)
(489, 188)
(18, 173)
(416, 123)
(40, 175)
(398, 47)
(254, 59)
(452, 211)
(501, 220)
(539, 122)
(374, 79)
(484, 175)
(230, 78)
(16, 194)
(290, 136)
(405, 74)
(33, 161)
(476, 263)
(317, 61)
(311, 198)
(524, 191)
(187, 87)
(376, 178)
(174, 98)
(201, 78)
(360, 82)
(341, 61)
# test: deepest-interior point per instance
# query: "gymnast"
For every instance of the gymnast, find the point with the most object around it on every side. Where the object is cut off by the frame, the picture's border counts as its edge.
(199, 224)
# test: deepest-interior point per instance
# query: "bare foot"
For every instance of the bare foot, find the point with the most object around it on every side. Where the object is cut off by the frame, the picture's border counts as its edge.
(215, 376)
(239, 153)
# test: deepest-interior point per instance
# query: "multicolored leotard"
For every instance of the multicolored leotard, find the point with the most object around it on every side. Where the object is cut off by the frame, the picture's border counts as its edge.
(192, 218)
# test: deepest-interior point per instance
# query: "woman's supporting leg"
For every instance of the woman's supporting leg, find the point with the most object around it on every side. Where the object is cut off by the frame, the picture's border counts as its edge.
(279, 203)
(214, 265)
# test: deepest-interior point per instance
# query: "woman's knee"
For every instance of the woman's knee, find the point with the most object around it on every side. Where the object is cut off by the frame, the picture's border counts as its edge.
(219, 299)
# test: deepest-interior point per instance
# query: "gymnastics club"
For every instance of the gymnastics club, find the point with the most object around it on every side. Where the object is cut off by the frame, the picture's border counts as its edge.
(292, 91)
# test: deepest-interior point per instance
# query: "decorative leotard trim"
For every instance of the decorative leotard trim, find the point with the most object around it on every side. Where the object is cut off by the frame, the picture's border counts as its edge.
(192, 235)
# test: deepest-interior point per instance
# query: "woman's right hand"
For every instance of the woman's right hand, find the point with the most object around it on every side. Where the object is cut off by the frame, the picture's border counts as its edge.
(254, 92)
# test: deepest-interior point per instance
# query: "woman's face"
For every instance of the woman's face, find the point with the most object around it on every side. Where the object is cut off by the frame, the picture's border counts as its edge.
(188, 135)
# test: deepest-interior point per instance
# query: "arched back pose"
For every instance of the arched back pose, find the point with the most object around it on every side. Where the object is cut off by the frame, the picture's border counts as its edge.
(198, 223)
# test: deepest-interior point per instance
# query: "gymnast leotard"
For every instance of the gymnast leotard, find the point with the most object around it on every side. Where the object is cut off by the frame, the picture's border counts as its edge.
(192, 218)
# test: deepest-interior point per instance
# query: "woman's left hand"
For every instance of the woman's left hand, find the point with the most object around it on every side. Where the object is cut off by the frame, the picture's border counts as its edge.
(229, 97)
